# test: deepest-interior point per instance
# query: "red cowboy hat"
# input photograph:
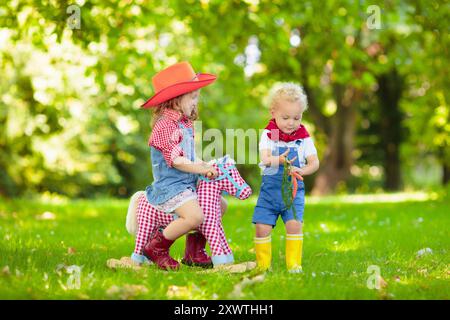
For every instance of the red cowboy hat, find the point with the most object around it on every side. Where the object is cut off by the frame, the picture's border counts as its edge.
(176, 80)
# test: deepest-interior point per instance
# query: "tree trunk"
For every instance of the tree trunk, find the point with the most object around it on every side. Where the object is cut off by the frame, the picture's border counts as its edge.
(390, 87)
(446, 174)
(443, 157)
(337, 161)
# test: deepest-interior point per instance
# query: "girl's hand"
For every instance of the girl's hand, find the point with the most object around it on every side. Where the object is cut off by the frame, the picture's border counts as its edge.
(210, 172)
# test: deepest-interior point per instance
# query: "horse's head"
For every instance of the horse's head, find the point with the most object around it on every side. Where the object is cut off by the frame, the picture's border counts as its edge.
(229, 179)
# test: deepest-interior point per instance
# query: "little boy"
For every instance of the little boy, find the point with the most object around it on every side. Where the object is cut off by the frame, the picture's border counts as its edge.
(284, 139)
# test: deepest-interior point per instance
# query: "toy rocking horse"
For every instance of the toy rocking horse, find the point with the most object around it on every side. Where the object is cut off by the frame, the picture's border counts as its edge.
(144, 220)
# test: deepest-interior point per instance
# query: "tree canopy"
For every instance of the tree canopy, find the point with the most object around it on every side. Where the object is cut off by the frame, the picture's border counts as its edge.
(71, 86)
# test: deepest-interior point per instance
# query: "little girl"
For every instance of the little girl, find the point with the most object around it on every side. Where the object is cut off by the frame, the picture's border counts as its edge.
(174, 165)
(283, 140)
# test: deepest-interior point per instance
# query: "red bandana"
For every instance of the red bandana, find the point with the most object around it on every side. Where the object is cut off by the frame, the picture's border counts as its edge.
(300, 133)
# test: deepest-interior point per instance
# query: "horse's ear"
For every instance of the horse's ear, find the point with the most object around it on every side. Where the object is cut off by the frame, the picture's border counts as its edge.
(228, 159)
(224, 159)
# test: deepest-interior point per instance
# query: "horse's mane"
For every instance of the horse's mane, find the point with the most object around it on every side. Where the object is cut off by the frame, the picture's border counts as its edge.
(226, 159)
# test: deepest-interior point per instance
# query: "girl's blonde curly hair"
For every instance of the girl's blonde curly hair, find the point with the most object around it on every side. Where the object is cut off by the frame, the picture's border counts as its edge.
(288, 91)
(174, 103)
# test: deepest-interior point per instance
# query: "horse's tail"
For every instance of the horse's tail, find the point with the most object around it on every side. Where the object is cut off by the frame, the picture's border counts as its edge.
(132, 222)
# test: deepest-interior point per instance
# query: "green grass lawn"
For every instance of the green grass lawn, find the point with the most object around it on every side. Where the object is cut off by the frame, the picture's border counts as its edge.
(343, 237)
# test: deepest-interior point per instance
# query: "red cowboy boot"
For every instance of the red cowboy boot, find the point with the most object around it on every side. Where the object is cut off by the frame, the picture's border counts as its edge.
(157, 250)
(195, 254)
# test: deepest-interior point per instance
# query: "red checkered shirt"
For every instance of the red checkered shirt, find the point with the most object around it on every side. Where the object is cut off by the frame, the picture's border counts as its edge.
(167, 134)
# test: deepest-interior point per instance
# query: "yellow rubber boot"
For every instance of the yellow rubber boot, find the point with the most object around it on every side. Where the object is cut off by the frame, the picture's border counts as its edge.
(294, 248)
(263, 247)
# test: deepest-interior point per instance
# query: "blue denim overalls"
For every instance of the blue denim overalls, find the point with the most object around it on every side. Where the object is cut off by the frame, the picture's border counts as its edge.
(270, 203)
(168, 182)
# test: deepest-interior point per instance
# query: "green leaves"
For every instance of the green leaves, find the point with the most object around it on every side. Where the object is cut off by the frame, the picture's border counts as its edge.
(69, 99)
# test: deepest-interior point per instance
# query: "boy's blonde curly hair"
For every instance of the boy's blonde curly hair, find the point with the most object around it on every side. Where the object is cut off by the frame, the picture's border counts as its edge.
(288, 91)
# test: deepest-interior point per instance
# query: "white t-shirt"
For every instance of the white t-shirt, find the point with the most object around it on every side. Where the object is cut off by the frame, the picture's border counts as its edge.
(305, 149)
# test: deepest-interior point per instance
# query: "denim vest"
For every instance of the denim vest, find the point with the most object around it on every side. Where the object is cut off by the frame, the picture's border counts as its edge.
(168, 182)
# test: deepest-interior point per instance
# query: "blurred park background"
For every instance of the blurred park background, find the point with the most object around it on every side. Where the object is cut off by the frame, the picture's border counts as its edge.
(74, 73)
(73, 77)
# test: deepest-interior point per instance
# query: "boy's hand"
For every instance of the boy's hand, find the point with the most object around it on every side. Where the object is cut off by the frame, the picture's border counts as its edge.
(283, 158)
(296, 169)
